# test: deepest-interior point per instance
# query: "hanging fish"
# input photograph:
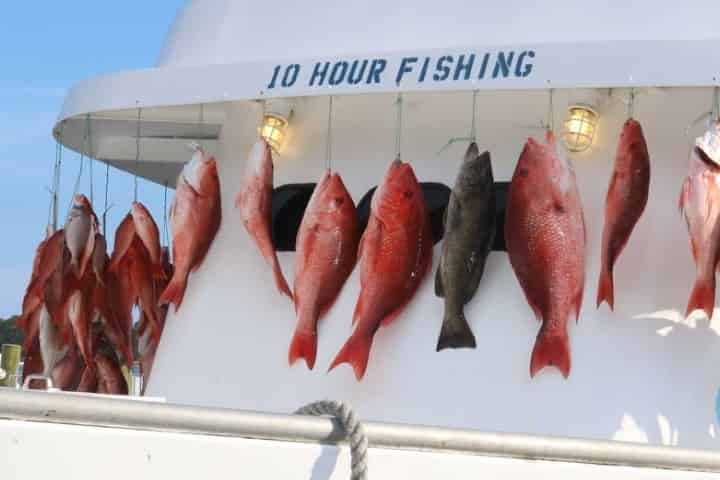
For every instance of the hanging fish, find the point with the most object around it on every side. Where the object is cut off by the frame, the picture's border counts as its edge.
(195, 218)
(52, 347)
(148, 232)
(141, 280)
(99, 258)
(80, 311)
(545, 239)
(109, 376)
(255, 203)
(327, 244)
(124, 236)
(625, 203)
(80, 229)
(469, 236)
(48, 260)
(66, 374)
(395, 253)
(709, 142)
(700, 204)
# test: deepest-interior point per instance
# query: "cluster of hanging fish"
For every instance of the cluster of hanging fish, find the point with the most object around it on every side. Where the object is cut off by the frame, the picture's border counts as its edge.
(544, 232)
(394, 252)
(78, 308)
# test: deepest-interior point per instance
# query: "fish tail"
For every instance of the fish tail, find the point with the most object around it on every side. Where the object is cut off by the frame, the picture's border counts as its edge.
(280, 281)
(356, 352)
(303, 345)
(606, 290)
(703, 296)
(551, 349)
(174, 292)
(455, 332)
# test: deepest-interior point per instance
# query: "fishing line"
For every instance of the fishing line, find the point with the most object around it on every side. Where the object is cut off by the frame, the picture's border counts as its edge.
(201, 123)
(58, 168)
(473, 127)
(77, 180)
(716, 104)
(88, 140)
(166, 239)
(328, 146)
(551, 112)
(105, 208)
(398, 126)
(631, 103)
(137, 152)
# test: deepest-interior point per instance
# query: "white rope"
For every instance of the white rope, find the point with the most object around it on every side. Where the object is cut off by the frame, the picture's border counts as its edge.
(398, 126)
(137, 152)
(328, 151)
(353, 429)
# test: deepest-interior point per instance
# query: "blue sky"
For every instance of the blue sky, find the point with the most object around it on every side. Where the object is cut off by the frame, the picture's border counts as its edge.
(45, 48)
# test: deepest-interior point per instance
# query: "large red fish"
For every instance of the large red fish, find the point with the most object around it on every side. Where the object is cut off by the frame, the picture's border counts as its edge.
(395, 253)
(48, 260)
(625, 203)
(545, 239)
(255, 203)
(700, 203)
(195, 219)
(124, 236)
(326, 251)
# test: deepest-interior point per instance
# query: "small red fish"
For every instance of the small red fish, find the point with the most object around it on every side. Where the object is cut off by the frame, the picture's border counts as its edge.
(625, 203)
(255, 203)
(545, 238)
(195, 219)
(327, 244)
(124, 236)
(395, 254)
(80, 229)
(80, 313)
(700, 204)
(109, 377)
(149, 234)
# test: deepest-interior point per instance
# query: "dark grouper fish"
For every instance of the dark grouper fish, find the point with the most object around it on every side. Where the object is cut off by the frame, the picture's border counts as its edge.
(469, 236)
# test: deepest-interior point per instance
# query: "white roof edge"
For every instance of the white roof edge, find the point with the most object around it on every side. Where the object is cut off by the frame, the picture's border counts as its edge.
(594, 64)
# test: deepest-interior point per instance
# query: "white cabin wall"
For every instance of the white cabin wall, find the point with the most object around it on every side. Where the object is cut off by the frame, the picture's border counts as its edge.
(641, 373)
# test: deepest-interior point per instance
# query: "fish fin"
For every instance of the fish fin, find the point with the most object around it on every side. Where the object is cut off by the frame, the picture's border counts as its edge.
(439, 288)
(280, 281)
(551, 349)
(175, 291)
(703, 296)
(356, 352)
(606, 290)
(455, 333)
(303, 345)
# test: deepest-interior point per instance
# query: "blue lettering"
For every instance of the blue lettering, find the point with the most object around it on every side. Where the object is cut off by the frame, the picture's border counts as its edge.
(464, 68)
(274, 77)
(354, 77)
(524, 69)
(319, 74)
(483, 67)
(376, 68)
(423, 70)
(443, 71)
(291, 74)
(405, 67)
(503, 64)
(338, 73)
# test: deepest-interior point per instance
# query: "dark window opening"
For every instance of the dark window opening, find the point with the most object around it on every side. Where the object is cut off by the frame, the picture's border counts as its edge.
(289, 203)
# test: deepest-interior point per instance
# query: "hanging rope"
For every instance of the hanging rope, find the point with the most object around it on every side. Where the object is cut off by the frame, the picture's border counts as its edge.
(88, 139)
(201, 123)
(631, 103)
(353, 429)
(137, 152)
(105, 207)
(328, 147)
(551, 112)
(166, 237)
(398, 126)
(473, 127)
(716, 105)
(77, 180)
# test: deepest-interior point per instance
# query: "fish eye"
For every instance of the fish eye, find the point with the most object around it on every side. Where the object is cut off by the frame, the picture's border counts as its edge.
(339, 200)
